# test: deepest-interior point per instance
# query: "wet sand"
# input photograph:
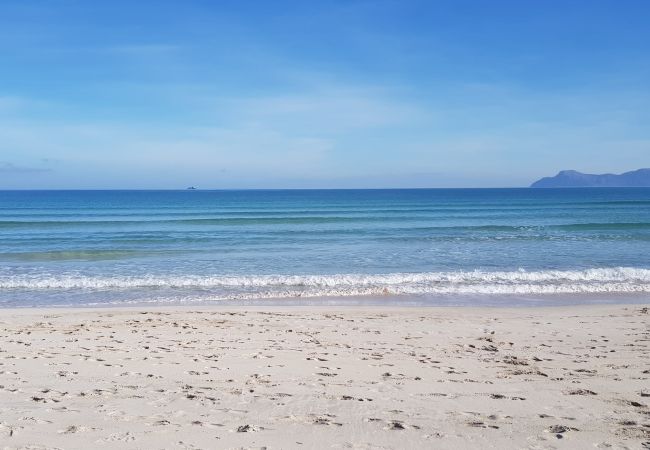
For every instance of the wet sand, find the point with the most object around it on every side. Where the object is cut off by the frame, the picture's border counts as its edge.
(315, 377)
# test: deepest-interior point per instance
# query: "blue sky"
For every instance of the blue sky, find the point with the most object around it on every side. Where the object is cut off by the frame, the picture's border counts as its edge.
(248, 94)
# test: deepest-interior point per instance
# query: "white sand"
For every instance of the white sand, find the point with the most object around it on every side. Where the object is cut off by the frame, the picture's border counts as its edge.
(303, 377)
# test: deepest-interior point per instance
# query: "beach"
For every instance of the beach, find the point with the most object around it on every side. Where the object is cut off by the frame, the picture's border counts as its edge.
(324, 225)
(317, 377)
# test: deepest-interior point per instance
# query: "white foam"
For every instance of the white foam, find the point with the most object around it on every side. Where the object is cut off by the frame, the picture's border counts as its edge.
(597, 280)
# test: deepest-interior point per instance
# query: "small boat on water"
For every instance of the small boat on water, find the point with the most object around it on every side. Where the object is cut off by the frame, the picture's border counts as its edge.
(191, 188)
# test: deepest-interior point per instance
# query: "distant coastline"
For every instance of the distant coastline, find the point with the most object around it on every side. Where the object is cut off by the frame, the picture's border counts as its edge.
(573, 178)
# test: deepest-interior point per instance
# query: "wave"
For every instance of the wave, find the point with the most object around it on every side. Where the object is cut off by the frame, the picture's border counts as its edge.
(311, 220)
(273, 220)
(597, 280)
(81, 255)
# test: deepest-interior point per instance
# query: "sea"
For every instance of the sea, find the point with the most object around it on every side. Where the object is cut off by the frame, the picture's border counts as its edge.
(449, 247)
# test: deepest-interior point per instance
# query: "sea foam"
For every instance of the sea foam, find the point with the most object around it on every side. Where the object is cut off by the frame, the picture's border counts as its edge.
(597, 280)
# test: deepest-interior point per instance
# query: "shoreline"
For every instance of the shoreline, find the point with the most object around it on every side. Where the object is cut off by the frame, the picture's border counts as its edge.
(374, 301)
(317, 307)
(313, 376)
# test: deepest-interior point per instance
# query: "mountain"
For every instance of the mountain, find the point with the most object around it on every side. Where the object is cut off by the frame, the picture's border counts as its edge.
(572, 178)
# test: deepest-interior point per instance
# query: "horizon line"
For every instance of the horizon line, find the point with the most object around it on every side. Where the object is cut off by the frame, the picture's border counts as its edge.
(311, 189)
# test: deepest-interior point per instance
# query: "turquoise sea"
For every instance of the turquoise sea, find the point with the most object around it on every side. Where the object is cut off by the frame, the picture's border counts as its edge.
(420, 246)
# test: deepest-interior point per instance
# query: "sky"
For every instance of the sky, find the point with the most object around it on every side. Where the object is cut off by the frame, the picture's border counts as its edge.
(320, 94)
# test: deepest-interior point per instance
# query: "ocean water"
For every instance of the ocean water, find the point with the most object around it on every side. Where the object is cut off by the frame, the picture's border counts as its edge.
(438, 246)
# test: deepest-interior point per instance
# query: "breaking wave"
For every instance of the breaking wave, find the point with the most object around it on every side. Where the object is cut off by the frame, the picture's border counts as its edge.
(597, 280)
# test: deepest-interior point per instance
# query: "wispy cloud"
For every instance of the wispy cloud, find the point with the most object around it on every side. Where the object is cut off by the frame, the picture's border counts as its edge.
(10, 168)
(330, 109)
(144, 49)
(12, 104)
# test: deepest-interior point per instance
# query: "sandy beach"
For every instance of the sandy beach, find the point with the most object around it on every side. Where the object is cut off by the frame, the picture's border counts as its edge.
(308, 377)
